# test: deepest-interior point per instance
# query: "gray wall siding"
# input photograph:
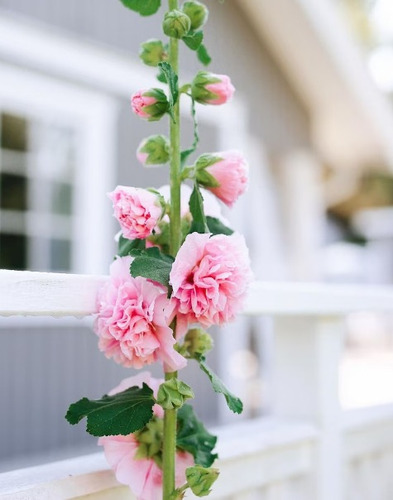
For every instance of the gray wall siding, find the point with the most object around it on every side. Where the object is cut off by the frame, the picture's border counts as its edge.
(278, 117)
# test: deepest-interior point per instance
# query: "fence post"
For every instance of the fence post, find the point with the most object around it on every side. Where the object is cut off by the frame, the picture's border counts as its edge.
(306, 357)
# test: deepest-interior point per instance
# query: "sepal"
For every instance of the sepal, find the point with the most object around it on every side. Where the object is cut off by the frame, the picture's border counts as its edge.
(200, 479)
(173, 393)
(176, 24)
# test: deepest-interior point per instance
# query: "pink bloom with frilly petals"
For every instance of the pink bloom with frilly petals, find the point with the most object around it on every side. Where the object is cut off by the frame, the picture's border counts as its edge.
(232, 174)
(138, 381)
(139, 101)
(137, 210)
(142, 475)
(132, 320)
(223, 90)
(210, 277)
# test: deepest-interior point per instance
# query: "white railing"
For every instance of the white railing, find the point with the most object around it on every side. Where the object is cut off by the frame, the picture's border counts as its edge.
(308, 450)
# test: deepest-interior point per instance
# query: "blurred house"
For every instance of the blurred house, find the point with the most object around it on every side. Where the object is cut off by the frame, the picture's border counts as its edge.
(306, 113)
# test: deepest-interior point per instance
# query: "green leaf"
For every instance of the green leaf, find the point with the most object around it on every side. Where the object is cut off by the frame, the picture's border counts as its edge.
(203, 55)
(234, 403)
(172, 80)
(193, 40)
(122, 413)
(153, 265)
(127, 247)
(186, 153)
(217, 227)
(193, 437)
(199, 224)
(143, 7)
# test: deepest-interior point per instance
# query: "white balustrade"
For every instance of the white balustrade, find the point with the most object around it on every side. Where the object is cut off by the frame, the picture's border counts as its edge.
(309, 449)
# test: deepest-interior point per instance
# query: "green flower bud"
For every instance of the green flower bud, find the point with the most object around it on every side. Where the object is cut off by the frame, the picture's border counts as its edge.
(197, 342)
(173, 393)
(154, 150)
(197, 12)
(176, 24)
(150, 440)
(153, 52)
(201, 479)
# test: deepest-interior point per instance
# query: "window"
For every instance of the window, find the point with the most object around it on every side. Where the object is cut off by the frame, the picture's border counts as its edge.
(37, 161)
(57, 150)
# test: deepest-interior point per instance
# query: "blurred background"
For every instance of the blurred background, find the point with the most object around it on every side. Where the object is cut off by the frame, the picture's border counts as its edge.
(313, 113)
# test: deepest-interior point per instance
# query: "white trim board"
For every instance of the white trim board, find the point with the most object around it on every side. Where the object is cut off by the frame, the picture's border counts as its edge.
(54, 294)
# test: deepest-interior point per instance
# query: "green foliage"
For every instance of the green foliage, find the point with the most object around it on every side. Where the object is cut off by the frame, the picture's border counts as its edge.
(172, 80)
(217, 227)
(153, 265)
(122, 413)
(127, 247)
(193, 437)
(143, 7)
(206, 179)
(234, 403)
(193, 40)
(199, 224)
(203, 55)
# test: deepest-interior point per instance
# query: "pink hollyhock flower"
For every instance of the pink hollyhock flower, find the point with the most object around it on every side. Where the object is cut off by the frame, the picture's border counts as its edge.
(137, 210)
(142, 475)
(210, 277)
(138, 380)
(132, 322)
(209, 88)
(150, 104)
(230, 172)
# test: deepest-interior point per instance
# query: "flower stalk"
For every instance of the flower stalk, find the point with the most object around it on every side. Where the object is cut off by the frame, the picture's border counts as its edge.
(170, 416)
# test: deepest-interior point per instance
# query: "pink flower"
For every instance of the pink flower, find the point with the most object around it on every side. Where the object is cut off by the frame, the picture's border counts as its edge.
(210, 277)
(138, 380)
(231, 173)
(137, 211)
(150, 104)
(209, 88)
(142, 475)
(132, 322)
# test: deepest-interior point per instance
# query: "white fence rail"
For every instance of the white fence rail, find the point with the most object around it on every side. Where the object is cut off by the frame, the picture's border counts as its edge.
(308, 450)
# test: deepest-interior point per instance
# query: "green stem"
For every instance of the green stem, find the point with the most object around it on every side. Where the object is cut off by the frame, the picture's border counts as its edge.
(170, 416)
(169, 448)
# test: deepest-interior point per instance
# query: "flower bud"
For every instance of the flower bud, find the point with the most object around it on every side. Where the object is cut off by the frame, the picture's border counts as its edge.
(149, 439)
(150, 104)
(153, 52)
(173, 393)
(176, 24)
(197, 342)
(201, 479)
(209, 88)
(197, 12)
(154, 150)
(225, 174)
